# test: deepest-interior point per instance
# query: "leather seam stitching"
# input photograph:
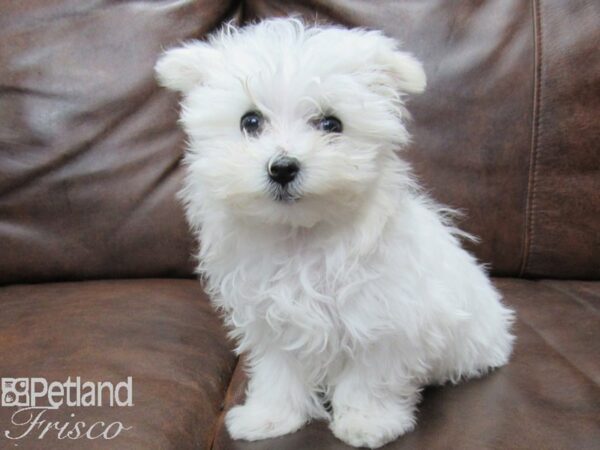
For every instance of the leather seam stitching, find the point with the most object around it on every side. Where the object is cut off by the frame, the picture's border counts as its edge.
(534, 150)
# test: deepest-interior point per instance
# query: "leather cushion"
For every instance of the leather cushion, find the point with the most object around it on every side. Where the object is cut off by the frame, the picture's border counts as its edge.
(547, 397)
(163, 333)
(89, 144)
(563, 213)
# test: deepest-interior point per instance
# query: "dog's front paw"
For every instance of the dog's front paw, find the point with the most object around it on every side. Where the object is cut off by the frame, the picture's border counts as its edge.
(254, 422)
(362, 428)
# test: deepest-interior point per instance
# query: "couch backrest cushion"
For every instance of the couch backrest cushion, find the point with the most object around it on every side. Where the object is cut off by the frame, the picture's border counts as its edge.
(89, 146)
(507, 130)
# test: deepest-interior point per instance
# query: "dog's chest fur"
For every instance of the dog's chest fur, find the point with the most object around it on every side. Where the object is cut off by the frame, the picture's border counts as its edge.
(292, 293)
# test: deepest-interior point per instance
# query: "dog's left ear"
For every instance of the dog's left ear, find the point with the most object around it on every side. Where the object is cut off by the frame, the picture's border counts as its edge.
(405, 70)
(183, 68)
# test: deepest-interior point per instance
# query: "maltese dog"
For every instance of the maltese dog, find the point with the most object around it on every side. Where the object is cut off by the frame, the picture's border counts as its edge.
(344, 284)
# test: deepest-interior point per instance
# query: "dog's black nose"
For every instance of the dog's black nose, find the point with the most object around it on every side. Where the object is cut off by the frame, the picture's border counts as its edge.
(283, 170)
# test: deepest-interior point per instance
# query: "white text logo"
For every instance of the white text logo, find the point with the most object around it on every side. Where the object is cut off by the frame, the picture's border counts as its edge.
(36, 399)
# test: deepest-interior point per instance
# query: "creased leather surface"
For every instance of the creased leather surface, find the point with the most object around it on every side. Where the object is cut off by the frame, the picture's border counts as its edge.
(564, 206)
(163, 333)
(547, 397)
(89, 145)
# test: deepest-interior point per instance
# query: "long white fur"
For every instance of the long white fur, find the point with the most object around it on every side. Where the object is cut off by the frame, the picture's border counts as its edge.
(359, 292)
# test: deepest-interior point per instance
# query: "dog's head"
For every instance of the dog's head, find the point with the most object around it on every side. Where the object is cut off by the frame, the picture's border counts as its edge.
(287, 123)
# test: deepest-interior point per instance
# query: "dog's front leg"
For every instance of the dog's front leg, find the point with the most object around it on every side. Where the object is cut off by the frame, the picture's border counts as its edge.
(371, 407)
(277, 401)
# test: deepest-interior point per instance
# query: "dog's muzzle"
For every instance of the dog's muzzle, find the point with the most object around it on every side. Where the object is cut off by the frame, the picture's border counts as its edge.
(283, 174)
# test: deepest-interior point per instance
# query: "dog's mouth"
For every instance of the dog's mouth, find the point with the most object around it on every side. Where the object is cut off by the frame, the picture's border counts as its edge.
(284, 194)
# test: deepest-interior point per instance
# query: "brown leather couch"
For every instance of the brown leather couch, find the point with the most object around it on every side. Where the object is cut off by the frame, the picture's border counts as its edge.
(95, 254)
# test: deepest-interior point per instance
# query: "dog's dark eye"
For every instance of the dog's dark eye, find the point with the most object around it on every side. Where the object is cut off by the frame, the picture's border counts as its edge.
(252, 123)
(329, 124)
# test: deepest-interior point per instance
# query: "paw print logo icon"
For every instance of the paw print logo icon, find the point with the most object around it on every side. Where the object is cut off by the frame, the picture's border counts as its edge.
(15, 392)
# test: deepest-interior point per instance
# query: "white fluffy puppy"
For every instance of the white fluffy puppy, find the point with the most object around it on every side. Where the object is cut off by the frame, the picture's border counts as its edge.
(342, 282)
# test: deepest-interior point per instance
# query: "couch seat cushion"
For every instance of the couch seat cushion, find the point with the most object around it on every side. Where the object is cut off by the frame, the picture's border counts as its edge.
(162, 333)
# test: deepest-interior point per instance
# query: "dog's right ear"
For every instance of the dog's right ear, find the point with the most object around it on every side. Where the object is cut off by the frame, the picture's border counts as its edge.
(183, 68)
